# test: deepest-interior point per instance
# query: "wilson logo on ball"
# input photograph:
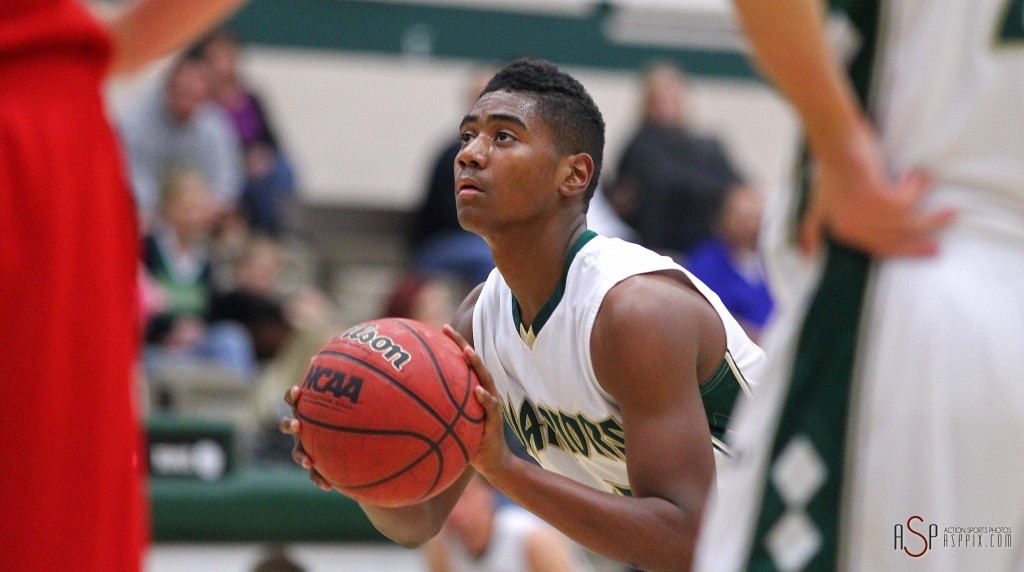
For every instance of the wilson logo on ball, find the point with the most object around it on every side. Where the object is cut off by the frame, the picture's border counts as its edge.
(326, 380)
(385, 346)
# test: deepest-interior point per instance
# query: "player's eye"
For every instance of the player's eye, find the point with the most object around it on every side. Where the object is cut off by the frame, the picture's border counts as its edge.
(465, 137)
(504, 136)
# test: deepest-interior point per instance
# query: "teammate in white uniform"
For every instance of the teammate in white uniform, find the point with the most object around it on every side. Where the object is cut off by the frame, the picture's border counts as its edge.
(621, 355)
(482, 536)
(889, 432)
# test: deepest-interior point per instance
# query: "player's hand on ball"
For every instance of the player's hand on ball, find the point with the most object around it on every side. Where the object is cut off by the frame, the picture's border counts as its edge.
(493, 454)
(291, 426)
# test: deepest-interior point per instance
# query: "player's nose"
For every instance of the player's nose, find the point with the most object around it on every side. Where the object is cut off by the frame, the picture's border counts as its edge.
(473, 153)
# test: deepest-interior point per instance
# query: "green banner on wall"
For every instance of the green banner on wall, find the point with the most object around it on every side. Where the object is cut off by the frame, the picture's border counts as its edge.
(485, 35)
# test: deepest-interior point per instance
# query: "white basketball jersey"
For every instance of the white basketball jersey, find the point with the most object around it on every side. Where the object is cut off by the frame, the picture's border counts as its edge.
(551, 396)
(947, 97)
(947, 93)
(507, 549)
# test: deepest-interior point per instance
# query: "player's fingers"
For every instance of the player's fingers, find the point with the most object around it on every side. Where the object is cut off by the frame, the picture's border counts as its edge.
(935, 221)
(455, 336)
(300, 457)
(491, 404)
(916, 247)
(291, 396)
(319, 480)
(917, 238)
(289, 426)
(913, 187)
(482, 373)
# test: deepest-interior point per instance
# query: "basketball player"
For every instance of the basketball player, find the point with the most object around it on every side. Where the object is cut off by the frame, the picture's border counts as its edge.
(71, 476)
(614, 365)
(892, 418)
(482, 536)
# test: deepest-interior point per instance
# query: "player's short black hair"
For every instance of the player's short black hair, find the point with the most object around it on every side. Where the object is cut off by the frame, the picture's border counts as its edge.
(563, 103)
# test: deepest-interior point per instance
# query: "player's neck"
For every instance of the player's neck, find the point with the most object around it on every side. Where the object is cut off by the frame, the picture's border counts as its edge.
(533, 265)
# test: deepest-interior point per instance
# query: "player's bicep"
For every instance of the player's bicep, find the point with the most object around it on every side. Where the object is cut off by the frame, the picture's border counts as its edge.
(645, 349)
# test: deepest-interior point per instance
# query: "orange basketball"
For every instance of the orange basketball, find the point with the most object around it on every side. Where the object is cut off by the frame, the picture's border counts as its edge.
(388, 412)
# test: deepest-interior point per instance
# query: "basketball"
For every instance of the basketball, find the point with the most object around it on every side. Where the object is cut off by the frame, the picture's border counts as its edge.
(388, 412)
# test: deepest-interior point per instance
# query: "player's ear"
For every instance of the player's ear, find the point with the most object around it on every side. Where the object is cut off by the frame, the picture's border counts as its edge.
(579, 169)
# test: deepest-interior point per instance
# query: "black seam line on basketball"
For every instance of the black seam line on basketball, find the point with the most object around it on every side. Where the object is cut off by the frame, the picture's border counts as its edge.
(469, 383)
(437, 366)
(432, 448)
(426, 406)
(460, 410)
(433, 359)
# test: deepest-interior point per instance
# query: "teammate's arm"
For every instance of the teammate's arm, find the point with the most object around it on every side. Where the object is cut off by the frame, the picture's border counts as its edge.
(648, 337)
(436, 555)
(150, 29)
(547, 551)
(853, 199)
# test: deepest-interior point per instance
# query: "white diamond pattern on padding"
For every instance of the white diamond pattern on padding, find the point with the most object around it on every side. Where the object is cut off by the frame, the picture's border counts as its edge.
(798, 472)
(792, 541)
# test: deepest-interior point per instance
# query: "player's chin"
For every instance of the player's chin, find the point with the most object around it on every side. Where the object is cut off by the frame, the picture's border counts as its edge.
(471, 218)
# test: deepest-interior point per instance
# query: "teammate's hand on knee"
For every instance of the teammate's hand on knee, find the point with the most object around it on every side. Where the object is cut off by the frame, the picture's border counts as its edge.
(493, 453)
(292, 426)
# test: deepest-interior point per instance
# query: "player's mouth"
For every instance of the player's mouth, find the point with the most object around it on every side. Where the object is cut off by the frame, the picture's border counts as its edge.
(466, 186)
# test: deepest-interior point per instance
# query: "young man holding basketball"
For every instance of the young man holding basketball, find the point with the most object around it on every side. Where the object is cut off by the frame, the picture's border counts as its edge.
(600, 352)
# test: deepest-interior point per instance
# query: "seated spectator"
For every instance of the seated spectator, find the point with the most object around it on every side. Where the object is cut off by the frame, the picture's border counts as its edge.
(254, 300)
(483, 535)
(258, 300)
(730, 264)
(670, 180)
(269, 175)
(176, 258)
(438, 243)
(176, 127)
(428, 299)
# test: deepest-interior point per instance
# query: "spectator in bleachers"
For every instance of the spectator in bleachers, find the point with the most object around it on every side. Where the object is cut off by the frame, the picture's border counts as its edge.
(269, 175)
(428, 299)
(670, 180)
(176, 126)
(176, 257)
(254, 301)
(258, 299)
(730, 264)
(437, 241)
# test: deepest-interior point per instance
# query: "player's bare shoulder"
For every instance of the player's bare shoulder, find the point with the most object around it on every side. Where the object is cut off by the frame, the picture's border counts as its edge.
(657, 314)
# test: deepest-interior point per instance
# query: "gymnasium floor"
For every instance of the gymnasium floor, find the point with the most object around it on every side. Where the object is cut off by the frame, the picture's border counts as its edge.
(314, 557)
(348, 557)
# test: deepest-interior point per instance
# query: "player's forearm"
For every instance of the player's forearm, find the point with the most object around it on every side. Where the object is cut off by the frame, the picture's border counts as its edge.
(650, 533)
(789, 43)
(150, 29)
(411, 526)
(407, 526)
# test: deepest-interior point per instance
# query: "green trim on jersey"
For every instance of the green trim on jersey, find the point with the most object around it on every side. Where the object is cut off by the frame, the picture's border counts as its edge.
(719, 395)
(864, 15)
(1010, 29)
(814, 418)
(817, 403)
(531, 333)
